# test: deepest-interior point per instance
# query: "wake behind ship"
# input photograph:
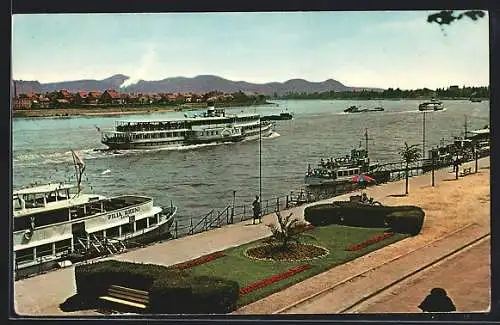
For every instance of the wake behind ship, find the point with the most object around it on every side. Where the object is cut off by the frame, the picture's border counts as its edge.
(214, 126)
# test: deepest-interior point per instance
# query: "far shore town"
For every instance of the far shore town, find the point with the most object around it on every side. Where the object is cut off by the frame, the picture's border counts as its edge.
(111, 97)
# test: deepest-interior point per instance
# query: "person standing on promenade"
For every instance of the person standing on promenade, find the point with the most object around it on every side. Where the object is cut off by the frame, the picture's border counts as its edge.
(437, 301)
(256, 209)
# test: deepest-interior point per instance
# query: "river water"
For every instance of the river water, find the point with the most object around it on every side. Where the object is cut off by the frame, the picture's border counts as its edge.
(202, 178)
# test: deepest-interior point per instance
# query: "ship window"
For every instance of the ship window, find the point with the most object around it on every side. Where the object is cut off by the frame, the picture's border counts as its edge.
(24, 255)
(140, 224)
(16, 203)
(112, 232)
(63, 245)
(22, 223)
(127, 228)
(44, 250)
(152, 221)
(34, 200)
(201, 133)
(51, 217)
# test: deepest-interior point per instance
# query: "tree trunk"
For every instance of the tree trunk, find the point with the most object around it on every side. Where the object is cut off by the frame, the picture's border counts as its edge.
(406, 176)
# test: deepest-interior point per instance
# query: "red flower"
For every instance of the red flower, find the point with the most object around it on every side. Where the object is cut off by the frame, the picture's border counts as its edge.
(370, 241)
(275, 278)
(199, 260)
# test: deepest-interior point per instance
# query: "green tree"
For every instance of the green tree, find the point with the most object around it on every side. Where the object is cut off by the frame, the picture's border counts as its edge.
(409, 154)
(284, 231)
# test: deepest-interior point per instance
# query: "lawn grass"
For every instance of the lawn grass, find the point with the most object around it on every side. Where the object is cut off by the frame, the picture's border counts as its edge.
(236, 266)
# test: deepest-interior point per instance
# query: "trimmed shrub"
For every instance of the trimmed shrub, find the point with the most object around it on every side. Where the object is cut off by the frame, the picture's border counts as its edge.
(171, 290)
(402, 219)
(322, 214)
(194, 295)
(214, 295)
(408, 221)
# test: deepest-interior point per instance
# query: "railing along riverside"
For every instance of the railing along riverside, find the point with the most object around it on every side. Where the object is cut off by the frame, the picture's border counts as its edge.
(305, 195)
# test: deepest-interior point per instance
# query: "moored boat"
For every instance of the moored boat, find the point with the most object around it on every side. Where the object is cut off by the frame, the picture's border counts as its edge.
(333, 171)
(54, 223)
(214, 126)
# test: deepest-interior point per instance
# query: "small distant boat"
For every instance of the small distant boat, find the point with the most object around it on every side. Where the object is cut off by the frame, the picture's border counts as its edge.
(355, 109)
(282, 116)
(432, 105)
(475, 100)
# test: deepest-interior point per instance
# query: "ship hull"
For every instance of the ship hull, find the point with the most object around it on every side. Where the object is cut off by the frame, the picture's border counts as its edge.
(157, 232)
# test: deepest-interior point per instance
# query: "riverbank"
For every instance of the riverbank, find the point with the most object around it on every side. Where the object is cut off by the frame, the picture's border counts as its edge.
(449, 205)
(122, 110)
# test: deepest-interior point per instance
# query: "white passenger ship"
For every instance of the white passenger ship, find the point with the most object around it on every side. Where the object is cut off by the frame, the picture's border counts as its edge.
(52, 224)
(432, 105)
(214, 126)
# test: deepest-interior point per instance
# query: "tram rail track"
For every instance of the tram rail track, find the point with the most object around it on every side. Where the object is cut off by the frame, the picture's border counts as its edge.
(303, 303)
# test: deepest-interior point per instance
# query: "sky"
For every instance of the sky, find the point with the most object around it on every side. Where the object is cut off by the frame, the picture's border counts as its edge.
(360, 49)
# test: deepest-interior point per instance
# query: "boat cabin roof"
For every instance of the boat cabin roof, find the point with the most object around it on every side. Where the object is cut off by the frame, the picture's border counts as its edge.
(482, 131)
(47, 188)
(189, 119)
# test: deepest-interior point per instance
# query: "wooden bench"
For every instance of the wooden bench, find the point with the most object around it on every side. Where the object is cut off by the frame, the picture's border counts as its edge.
(127, 296)
(355, 198)
(465, 171)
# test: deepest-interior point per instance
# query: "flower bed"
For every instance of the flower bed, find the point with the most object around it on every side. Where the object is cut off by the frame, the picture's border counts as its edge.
(299, 252)
(369, 242)
(275, 278)
(198, 261)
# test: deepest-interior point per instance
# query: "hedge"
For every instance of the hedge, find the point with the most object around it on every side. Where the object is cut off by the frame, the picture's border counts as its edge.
(408, 221)
(170, 290)
(402, 219)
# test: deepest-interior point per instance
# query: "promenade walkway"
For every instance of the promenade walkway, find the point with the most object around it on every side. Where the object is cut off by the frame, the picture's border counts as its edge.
(41, 295)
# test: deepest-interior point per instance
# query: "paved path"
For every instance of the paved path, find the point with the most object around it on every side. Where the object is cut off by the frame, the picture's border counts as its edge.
(466, 278)
(375, 278)
(41, 295)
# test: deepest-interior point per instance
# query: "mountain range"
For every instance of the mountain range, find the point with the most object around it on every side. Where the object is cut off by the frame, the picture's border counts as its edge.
(198, 84)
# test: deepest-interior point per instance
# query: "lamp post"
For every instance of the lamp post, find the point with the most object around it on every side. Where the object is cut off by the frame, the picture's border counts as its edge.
(260, 160)
(423, 136)
(475, 155)
(232, 210)
(433, 164)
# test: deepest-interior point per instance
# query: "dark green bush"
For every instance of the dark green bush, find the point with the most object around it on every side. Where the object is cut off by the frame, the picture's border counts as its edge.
(322, 214)
(402, 219)
(406, 221)
(171, 290)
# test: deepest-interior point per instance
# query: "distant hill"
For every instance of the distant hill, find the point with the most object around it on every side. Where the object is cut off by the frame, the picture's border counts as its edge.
(198, 84)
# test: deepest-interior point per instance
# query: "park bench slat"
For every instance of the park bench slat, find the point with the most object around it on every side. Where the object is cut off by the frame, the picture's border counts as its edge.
(127, 296)
(123, 302)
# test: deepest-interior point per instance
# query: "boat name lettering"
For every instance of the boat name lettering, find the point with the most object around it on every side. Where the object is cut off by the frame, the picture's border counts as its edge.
(123, 214)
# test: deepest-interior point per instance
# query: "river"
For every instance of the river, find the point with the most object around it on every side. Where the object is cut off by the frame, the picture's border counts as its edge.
(204, 177)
